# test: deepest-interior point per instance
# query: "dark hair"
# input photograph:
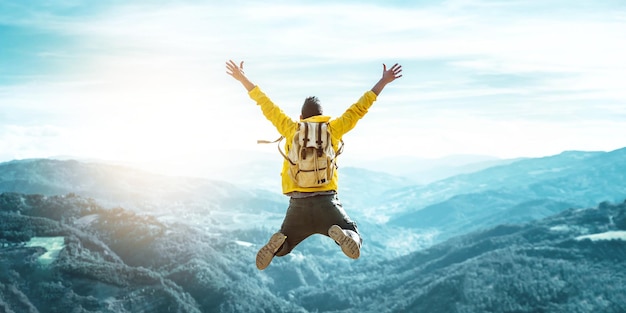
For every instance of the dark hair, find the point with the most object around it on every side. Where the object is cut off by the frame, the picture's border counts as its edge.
(311, 107)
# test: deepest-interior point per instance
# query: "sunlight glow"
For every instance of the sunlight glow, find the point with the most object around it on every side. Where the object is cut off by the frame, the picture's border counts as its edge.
(146, 83)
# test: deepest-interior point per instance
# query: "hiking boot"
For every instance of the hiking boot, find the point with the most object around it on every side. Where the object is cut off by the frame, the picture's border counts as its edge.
(266, 254)
(348, 244)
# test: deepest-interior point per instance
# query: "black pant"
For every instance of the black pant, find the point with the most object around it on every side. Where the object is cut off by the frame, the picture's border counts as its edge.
(312, 215)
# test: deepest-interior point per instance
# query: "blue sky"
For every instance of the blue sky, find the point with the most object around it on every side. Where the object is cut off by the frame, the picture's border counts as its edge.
(145, 80)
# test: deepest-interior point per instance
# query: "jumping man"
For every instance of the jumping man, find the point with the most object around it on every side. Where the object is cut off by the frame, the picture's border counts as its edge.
(312, 210)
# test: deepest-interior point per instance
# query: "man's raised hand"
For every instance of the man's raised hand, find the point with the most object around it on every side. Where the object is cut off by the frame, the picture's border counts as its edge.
(235, 71)
(393, 73)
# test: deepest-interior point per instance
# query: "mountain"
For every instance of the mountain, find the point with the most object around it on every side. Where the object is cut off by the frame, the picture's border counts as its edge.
(518, 192)
(94, 237)
(353, 181)
(215, 203)
(254, 168)
(143, 191)
(422, 171)
(114, 260)
(514, 175)
(570, 262)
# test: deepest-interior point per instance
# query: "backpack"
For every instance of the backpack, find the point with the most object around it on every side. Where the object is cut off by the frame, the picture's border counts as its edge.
(312, 159)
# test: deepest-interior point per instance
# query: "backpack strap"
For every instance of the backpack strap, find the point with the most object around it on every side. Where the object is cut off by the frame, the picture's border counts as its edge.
(319, 141)
(339, 149)
(279, 149)
(305, 141)
(270, 141)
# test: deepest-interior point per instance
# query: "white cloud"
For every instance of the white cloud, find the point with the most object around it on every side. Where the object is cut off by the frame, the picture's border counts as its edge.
(144, 80)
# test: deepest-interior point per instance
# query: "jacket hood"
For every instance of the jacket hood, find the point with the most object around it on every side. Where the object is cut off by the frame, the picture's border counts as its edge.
(317, 119)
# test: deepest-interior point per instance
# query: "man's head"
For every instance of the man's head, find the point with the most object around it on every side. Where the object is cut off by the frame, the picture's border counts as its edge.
(311, 107)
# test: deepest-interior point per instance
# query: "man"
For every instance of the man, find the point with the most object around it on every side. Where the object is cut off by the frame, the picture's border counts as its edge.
(312, 210)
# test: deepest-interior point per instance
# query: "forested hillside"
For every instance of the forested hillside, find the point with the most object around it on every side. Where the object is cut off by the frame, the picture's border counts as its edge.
(117, 261)
(571, 262)
(86, 237)
(114, 260)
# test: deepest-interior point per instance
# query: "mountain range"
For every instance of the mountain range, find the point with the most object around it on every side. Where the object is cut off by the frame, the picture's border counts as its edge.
(517, 192)
(529, 235)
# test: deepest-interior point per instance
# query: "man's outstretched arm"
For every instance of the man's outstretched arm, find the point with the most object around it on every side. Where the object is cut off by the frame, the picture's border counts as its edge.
(237, 73)
(283, 123)
(389, 75)
(355, 112)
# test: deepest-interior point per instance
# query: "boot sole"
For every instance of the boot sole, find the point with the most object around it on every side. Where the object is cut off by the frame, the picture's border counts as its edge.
(349, 247)
(266, 254)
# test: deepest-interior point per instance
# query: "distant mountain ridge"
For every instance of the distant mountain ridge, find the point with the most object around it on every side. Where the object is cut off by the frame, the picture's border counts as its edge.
(517, 192)
(423, 171)
(118, 185)
(518, 173)
(548, 185)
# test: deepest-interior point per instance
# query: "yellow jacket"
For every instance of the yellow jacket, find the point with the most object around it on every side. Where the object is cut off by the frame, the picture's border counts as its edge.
(287, 127)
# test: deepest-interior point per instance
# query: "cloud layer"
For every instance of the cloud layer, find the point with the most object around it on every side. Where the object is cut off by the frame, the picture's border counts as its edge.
(147, 80)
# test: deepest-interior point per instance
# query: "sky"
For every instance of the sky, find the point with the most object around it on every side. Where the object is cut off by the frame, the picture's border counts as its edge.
(145, 81)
